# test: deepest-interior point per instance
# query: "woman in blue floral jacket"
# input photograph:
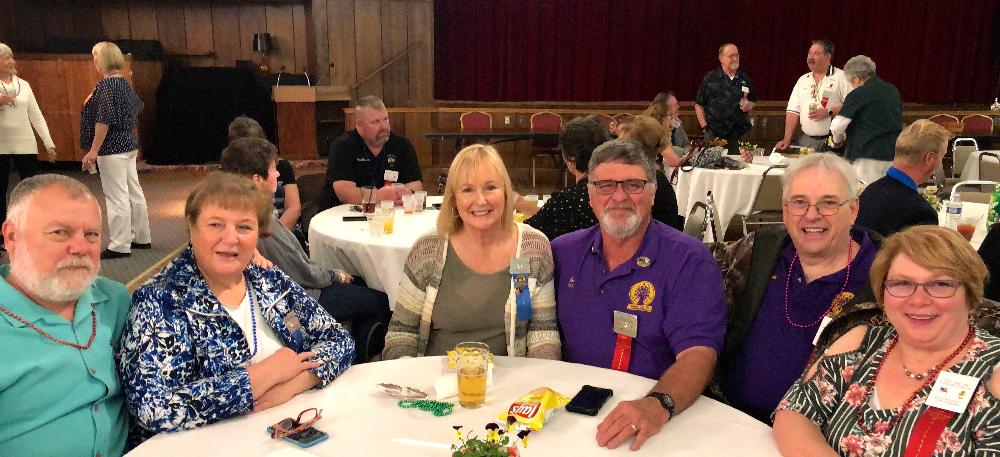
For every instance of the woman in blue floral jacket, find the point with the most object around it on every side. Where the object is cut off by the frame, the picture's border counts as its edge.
(213, 336)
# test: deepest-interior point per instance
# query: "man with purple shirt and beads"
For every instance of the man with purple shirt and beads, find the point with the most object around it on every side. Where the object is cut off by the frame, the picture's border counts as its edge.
(636, 295)
(783, 286)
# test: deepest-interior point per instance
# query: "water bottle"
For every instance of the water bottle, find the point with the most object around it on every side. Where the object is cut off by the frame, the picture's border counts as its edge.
(953, 211)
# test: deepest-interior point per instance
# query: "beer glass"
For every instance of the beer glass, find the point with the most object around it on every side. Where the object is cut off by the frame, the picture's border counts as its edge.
(471, 360)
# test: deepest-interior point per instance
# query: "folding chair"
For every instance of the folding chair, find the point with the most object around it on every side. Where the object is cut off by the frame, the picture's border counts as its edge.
(549, 123)
(981, 194)
(989, 170)
(766, 207)
(961, 149)
(703, 217)
(697, 221)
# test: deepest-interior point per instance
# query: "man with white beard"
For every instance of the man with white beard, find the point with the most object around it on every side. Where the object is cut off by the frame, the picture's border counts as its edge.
(636, 295)
(59, 325)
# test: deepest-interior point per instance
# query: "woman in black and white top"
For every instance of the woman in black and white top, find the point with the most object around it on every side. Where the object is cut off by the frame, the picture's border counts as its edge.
(18, 114)
(108, 131)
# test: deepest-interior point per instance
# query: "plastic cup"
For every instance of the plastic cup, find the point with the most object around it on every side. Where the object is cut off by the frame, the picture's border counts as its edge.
(967, 227)
(472, 359)
(419, 201)
(375, 224)
(407, 203)
(388, 215)
(368, 199)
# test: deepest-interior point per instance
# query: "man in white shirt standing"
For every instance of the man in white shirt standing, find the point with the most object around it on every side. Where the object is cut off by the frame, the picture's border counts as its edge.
(816, 98)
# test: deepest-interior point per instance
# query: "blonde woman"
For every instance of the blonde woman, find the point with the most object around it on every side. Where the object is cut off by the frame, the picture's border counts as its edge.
(108, 132)
(19, 113)
(458, 284)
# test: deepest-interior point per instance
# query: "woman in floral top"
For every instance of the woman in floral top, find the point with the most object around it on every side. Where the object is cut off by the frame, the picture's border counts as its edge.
(866, 394)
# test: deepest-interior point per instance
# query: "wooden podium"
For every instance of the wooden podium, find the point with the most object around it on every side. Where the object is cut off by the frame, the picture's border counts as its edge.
(308, 118)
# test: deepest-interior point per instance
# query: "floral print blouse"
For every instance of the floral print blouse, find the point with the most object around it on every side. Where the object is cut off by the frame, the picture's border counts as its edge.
(183, 358)
(831, 397)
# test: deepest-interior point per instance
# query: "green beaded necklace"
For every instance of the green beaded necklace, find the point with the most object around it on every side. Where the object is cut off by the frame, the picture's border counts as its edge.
(437, 408)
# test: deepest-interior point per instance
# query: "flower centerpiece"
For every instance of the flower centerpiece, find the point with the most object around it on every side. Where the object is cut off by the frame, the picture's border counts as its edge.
(500, 441)
(930, 194)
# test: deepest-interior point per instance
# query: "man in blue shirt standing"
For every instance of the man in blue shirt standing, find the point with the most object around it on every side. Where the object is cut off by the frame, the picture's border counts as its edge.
(636, 295)
(60, 324)
(893, 203)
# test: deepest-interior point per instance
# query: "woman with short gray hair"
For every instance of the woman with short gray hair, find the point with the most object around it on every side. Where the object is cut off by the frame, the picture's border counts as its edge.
(869, 121)
(19, 113)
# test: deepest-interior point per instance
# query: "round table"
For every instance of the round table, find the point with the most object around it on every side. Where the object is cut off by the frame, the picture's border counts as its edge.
(733, 190)
(349, 246)
(362, 421)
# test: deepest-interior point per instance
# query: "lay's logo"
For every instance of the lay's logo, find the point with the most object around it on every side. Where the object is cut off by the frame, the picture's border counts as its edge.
(524, 409)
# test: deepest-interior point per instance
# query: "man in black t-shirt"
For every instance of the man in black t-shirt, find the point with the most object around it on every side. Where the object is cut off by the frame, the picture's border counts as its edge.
(893, 203)
(370, 155)
(724, 99)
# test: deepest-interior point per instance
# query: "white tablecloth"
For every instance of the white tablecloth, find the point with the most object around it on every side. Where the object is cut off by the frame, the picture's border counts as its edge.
(362, 421)
(975, 210)
(733, 190)
(334, 243)
(971, 170)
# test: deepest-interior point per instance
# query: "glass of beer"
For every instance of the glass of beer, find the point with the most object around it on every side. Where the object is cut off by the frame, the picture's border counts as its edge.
(471, 361)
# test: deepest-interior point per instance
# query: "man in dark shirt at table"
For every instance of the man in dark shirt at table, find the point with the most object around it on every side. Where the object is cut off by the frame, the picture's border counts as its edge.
(893, 203)
(370, 155)
(724, 99)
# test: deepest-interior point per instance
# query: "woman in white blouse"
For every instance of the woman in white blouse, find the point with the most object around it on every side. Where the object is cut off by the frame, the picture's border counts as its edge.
(18, 114)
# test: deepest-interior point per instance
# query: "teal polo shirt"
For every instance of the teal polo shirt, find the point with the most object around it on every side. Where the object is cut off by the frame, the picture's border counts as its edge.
(57, 400)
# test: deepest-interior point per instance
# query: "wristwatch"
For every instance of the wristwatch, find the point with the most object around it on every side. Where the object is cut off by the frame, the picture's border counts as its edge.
(666, 401)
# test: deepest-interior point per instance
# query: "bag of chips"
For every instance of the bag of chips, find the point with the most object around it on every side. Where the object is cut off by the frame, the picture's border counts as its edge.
(535, 408)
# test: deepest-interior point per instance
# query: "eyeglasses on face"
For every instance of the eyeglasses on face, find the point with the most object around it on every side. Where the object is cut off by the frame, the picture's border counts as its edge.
(938, 288)
(289, 426)
(800, 206)
(630, 186)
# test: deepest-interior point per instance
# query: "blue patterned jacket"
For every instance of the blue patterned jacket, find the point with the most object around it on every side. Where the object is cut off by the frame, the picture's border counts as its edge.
(182, 356)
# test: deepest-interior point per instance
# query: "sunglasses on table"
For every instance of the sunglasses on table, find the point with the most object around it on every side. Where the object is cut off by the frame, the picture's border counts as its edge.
(289, 426)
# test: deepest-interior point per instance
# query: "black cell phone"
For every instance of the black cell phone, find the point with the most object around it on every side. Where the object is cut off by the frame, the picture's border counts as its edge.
(589, 400)
(355, 218)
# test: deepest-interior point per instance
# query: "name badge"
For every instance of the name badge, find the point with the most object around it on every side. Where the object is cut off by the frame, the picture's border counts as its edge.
(745, 89)
(626, 324)
(822, 326)
(519, 271)
(391, 175)
(952, 391)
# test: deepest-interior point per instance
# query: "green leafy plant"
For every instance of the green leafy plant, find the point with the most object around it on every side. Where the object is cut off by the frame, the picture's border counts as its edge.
(499, 441)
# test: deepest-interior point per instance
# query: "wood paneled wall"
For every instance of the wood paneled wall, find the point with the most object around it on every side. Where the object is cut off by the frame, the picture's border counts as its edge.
(338, 41)
(207, 33)
(357, 37)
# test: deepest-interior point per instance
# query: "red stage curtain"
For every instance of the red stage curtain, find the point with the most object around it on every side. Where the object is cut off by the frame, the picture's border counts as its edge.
(606, 50)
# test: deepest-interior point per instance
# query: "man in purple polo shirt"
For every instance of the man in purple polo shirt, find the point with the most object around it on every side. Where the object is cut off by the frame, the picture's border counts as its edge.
(637, 295)
(785, 284)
